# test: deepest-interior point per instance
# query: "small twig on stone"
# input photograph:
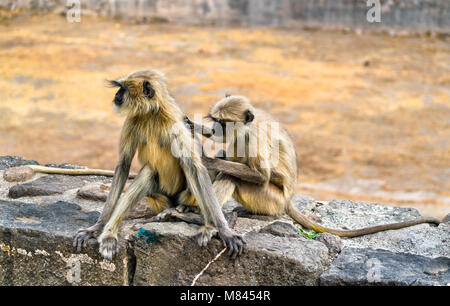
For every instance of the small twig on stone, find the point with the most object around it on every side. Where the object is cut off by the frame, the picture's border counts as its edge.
(207, 266)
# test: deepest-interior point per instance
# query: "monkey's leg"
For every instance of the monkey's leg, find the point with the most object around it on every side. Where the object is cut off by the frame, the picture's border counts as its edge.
(143, 184)
(158, 202)
(120, 177)
(184, 211)
(187, 202)
(223, 186)
(264, 200)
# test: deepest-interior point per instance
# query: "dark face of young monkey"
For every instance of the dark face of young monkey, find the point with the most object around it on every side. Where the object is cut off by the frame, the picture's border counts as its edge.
(234, 113)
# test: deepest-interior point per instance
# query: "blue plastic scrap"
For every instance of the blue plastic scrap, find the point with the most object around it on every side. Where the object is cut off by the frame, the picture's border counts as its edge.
(151, 237)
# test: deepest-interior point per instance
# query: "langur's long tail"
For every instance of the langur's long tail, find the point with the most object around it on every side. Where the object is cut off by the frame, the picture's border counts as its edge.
(306, 222)
(51, 170)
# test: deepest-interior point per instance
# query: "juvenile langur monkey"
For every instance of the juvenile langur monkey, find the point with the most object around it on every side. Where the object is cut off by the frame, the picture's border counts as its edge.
(170, 159)
(264, 182)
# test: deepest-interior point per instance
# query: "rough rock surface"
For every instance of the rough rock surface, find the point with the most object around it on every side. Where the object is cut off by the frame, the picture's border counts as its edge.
(380, 267)
(36, 247)
(18, 174)
(36, 243)
(268, 259)
(47, 185)
(423, 239)
(14, 161)
(281, 228)
(93, 192)
(333, 243)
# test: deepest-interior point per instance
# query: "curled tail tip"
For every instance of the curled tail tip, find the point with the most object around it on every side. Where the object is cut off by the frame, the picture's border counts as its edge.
(432, 220)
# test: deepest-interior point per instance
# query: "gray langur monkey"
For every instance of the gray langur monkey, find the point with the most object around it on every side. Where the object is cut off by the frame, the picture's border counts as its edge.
(258, 182)
(170, 159)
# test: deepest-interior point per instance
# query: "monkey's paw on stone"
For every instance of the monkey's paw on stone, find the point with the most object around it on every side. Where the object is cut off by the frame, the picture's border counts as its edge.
(173, 214)
(235, 243)
(206, 232)
(83, 236)
(183, 208)
(108, 246)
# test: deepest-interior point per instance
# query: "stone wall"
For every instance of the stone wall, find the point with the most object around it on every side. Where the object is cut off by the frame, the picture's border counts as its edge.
(39, 216)
(418, 15)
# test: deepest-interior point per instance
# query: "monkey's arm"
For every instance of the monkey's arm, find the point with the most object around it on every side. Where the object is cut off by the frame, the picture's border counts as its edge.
(235, 169)
(241, 171)
(120, 178)
(202, 189)
(200, 185)
(198, 128)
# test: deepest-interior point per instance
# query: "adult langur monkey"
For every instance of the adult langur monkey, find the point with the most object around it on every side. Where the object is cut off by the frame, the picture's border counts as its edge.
(170, 159)
(261, 183)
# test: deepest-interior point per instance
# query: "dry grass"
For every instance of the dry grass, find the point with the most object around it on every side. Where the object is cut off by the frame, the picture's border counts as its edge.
(388, 122)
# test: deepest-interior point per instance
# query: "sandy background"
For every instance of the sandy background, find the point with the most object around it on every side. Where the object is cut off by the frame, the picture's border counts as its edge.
(369, 113)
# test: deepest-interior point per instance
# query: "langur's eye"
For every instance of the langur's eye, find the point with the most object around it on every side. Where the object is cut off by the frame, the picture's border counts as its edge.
(148, 90)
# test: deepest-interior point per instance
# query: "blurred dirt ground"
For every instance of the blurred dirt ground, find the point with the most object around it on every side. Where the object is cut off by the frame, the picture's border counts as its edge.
(369, 113)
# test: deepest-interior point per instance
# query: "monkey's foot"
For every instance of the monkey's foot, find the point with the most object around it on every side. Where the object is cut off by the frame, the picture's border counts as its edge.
(108, 246)
(164, 216)
(83, 235)
(172, 213)
(242, 212)
(183, 208)
(231, 240)
(206, 232)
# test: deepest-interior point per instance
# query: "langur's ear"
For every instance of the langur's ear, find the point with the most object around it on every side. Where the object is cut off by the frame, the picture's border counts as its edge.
(249, 116)
(148, 90)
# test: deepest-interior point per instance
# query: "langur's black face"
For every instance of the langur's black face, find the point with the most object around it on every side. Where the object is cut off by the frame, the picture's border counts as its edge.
(246, 118)
(238, 123)
(132, 94)
(118, 98)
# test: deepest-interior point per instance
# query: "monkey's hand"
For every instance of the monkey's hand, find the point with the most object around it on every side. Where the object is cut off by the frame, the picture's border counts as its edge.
(209, 162)
(83, 235)
(234, 242)
(108, 245)
(189, 124)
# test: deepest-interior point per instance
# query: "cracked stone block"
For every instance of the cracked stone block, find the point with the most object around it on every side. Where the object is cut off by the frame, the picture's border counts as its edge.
(36, 248)
(334, 243)
(281, 228)
(267, 260)
(358, 267)
(93, 192)
(48, 185)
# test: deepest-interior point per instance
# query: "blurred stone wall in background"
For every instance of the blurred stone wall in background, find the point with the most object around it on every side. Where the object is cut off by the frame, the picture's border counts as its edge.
(418, 15)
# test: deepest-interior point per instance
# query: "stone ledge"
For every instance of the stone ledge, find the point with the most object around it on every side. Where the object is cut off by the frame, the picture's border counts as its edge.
(36, 248)
(380, 267)
(36, 233)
